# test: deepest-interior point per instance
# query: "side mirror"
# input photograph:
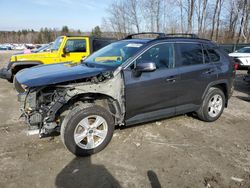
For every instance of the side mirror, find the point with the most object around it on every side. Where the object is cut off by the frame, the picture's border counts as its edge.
(146, 67)
(66, 50)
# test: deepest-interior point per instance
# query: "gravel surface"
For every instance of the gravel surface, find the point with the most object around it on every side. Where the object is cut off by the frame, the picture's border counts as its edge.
(177, 152)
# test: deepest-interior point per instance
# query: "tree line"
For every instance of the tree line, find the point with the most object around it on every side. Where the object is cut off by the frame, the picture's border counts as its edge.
(224, 21)
(45, 35)
(220, 20)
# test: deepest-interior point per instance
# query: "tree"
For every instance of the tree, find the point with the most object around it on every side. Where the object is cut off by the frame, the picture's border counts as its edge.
(96, 32)
(191, 4)
(244, 20)
(134, 13)
(65, 30)
(201, 9)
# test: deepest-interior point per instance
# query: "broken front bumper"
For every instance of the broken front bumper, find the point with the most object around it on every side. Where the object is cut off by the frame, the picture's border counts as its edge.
(5, 74)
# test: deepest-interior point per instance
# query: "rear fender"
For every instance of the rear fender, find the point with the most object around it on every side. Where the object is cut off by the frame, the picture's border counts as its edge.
(222, 84)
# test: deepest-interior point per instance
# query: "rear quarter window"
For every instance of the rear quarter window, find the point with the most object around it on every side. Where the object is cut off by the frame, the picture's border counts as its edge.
(213, 53)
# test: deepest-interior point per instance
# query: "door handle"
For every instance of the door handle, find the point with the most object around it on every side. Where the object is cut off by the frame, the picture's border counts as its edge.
(171, 79)
(209, 71)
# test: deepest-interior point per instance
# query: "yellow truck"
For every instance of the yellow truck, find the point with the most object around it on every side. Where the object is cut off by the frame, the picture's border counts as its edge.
(64, 49)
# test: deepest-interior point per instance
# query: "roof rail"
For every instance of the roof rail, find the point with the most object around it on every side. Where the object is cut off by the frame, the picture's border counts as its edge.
(191, 35)
(160, 35)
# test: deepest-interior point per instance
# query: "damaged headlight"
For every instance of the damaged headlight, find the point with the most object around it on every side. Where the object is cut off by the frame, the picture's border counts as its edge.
(20, 88)
(24, 87)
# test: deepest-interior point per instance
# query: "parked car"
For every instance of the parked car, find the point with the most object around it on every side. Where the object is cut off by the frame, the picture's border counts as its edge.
(246, 78)
(128, 82)
(64, 49)
(242, 57)
(4, 47)
(43, 48)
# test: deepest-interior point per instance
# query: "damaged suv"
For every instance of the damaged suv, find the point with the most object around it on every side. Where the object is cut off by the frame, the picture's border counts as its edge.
(130, 81)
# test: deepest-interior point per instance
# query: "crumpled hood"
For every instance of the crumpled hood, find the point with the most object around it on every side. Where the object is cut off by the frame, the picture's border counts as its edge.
(236, 54)
(57, 73)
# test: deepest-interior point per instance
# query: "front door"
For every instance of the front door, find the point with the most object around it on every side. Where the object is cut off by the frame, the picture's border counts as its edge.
(77, 48)
(151, 94)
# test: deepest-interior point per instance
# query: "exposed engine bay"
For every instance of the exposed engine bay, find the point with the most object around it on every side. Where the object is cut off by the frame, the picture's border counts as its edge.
(44, 107)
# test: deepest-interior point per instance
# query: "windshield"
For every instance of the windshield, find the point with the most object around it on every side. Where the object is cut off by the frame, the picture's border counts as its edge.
(45, 47)
(57, 44)
(244, 50)
(114, 54)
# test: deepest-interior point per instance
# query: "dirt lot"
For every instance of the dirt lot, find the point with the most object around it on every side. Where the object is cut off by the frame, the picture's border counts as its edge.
(176, 152)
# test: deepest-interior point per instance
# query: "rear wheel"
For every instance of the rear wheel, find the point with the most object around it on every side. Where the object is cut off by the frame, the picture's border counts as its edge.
(87, 129)
(212, 106)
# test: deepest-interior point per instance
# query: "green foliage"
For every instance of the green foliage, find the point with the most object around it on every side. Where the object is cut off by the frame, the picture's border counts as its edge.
(96, 32)
(65, 30)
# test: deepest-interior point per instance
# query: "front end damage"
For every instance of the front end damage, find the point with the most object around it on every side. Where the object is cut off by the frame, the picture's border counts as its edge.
(45, 107)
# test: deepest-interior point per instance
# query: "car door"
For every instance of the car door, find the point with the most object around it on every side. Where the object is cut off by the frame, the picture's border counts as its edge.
(151, 94)
(76, 49)
(196, 71)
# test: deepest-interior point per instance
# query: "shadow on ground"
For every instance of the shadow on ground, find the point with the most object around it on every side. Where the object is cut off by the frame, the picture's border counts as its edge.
(154, 181)
(80, 172)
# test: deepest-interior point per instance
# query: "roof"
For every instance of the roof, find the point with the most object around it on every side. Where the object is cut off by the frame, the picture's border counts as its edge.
(93, 37)
(139, 40)
(162, 36)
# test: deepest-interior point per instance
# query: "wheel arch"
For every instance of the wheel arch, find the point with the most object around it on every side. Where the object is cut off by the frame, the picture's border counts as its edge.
(106, 101)
(221, 84)
(19, 65)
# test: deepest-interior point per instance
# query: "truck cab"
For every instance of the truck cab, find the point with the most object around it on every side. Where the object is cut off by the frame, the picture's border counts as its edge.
(64, 49)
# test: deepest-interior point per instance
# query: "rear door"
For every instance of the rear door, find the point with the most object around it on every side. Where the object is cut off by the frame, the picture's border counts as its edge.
(196, 71)
(152, 91)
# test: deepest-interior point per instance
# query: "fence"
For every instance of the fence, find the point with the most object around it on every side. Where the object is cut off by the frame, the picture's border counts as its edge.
(229, 48)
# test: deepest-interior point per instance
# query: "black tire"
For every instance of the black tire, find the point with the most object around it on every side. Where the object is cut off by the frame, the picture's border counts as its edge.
(74, 117)
(203, 111)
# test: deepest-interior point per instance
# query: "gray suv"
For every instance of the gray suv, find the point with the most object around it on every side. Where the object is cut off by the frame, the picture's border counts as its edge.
(130, 81)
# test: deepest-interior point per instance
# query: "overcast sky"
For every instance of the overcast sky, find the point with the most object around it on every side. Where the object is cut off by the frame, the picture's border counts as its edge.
(34, 14)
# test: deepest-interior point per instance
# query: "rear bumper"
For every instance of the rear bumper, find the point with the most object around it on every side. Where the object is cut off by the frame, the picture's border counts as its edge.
(5, 74)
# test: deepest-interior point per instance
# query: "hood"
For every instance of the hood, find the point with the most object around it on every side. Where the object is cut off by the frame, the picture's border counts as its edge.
(236, 54)
(53, 74)
(21, 56)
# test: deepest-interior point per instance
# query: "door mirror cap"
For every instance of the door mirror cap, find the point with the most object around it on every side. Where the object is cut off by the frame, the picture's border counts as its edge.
(146, 67)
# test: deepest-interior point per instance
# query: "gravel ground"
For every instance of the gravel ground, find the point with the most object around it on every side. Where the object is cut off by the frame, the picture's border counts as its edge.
(176, 152)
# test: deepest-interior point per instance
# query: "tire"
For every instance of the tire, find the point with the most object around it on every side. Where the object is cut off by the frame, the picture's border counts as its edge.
(81, 115)
(208, 113)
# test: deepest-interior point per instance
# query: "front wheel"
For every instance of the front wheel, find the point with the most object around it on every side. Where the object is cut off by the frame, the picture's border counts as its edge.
(87, 129)
(212, 105)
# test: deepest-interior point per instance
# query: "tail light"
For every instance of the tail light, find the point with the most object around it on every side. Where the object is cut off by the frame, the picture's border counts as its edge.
(236, 66)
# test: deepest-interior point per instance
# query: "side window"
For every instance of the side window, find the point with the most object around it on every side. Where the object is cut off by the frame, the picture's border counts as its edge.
(76, 45)
(162, 55)
(214, 56)
(190, 54)
(206, 56)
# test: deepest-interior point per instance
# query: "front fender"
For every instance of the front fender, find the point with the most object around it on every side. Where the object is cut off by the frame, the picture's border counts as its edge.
(14, 64)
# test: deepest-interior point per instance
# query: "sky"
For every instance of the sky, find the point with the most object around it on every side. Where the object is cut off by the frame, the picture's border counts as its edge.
(35, 14)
